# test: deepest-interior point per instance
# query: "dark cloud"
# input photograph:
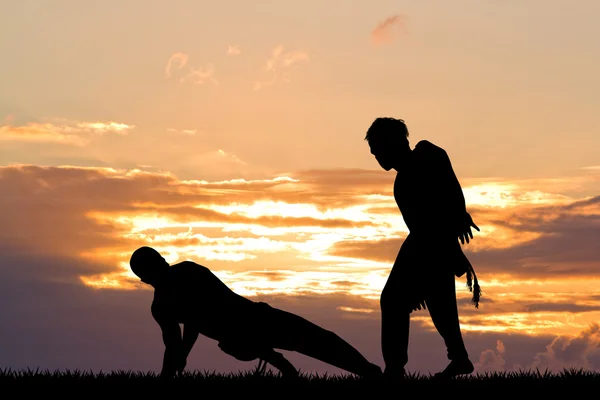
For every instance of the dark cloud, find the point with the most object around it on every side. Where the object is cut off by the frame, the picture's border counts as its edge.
(51, 320)
(63, 325)
(56, 323)
(186, 214)
(271, 276)
(560, 307)
(567, 244)
(345, 284)
(47, 207)
(384, 250)
(31, 264)
(582, 351)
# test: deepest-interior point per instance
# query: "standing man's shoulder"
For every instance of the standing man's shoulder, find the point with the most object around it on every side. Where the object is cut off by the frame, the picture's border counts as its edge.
(426, 151)
(425, 146)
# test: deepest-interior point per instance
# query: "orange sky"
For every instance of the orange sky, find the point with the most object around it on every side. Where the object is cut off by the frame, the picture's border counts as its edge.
(236, 140)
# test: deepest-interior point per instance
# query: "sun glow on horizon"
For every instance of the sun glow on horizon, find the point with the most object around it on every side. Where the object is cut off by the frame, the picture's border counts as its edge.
(243, 233)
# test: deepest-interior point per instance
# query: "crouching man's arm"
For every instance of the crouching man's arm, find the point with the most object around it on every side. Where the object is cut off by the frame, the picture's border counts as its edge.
(173, 358)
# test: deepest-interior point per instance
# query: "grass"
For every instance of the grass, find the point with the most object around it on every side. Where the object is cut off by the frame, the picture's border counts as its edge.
(251, 383)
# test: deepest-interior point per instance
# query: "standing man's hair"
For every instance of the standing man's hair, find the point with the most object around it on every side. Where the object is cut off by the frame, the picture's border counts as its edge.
(389, 127)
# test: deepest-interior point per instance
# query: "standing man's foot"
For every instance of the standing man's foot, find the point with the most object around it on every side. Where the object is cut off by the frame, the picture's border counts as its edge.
(456, 367)
(394, 375)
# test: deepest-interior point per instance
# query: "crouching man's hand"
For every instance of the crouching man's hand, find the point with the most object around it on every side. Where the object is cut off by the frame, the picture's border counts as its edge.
(173, 363)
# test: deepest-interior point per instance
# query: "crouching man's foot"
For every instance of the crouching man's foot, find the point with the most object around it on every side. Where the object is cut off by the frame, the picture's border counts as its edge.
(455, 368)
(373, 372)
(287, 370)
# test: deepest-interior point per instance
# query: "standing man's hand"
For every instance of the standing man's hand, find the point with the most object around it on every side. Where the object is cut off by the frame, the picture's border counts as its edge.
(465, 233)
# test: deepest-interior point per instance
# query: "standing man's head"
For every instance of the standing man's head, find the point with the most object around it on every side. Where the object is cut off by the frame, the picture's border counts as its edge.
(388, 140)
(147, 264)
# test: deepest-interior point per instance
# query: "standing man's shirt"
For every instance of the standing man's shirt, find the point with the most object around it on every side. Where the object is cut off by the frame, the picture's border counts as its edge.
(428, 193)
(431, 201)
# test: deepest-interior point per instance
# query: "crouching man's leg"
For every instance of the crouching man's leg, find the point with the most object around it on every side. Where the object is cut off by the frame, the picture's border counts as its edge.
(278, 361)
(287, 331)
(250, 352)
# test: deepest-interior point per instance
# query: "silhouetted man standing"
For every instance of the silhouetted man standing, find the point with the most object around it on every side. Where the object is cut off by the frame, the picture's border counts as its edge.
(190, 294)
(432, 204)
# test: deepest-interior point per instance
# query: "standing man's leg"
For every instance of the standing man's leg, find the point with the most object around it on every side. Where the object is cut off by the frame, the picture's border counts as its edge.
(395, 327)
(441, 302)
(288, 331)
(395, 302)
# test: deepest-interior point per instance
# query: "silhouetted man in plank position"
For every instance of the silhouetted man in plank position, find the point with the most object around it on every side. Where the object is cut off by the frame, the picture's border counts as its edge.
(190, 294)
(432, 204)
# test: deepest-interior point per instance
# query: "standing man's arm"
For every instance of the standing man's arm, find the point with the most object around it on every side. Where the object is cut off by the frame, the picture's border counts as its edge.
(463, 218)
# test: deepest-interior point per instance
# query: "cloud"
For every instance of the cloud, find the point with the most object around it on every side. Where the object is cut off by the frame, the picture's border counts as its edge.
(311, 203)
(62, 131)
(222, 154)
(233, 50)
(387, 30)
(180, 59)
(35, 132)
(198, 76)
(280, 58)
(578, 351)
(214, 164)
(277, 66)
(67, 233)
(190, 132)
(536, 241)
(317, 224)
(491, 359)
(59, 324)
(582, 351)
(104, 127)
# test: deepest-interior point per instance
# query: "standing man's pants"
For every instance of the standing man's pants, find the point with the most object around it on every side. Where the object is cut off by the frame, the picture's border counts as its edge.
(412, 281)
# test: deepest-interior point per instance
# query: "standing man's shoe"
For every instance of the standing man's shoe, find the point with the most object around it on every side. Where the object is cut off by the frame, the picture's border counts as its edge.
(456, 367)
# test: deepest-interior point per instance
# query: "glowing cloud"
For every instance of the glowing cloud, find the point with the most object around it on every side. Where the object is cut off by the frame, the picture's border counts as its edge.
(190, 132)
(62, 131)
(104, 127)
(322, 232)
(34, 132)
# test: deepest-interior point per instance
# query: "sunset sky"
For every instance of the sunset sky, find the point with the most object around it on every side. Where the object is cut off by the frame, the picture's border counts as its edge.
(232, 133)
